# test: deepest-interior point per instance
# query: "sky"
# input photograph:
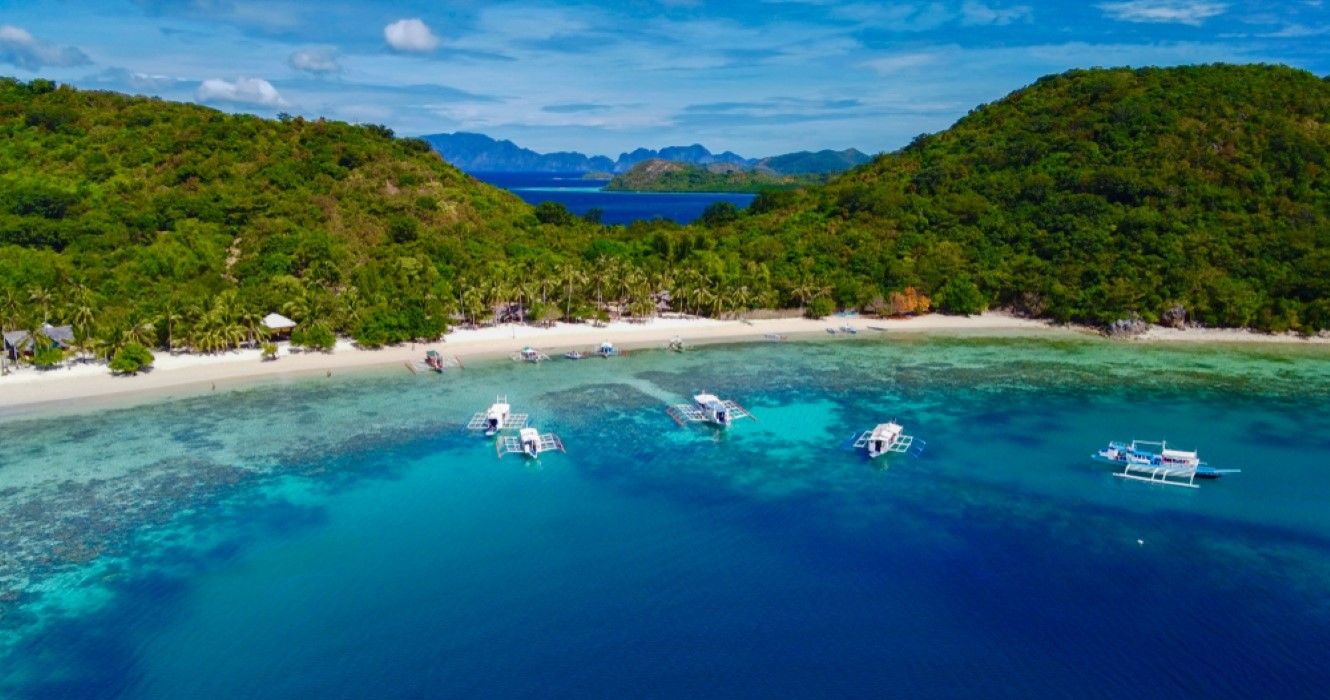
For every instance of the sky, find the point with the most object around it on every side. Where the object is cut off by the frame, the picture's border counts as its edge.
(760, 77)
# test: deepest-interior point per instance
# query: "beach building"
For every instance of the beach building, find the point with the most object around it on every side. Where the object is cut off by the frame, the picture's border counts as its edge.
(19, 343)
(278, 325)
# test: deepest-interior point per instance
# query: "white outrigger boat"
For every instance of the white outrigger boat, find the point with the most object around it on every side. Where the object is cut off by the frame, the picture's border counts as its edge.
(530, 354)
(1152, 461)
(676, 344)
(529, 443)
(607, 350)
(885, 438)
(708, 408)
(497, 417)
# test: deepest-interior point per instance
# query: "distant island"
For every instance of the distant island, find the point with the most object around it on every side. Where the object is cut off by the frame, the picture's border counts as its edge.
(668, 176)
(478, 153)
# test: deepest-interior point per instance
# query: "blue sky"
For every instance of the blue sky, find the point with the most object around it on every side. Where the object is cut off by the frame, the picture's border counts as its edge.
(758, 77)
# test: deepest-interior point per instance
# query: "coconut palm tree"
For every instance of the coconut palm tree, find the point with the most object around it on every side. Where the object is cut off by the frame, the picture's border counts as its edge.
(10, 311)
(41, 298)
(570, 275)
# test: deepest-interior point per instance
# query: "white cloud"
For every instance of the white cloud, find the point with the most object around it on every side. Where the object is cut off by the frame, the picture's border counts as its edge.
(1192, 12)
(977, 13)
(903, 61)
(19, 48)
(410, 35)
(248, 91)
(315, 61)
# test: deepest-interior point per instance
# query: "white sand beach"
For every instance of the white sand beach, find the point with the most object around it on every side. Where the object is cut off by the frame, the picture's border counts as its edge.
(187, 373)
(90, 384)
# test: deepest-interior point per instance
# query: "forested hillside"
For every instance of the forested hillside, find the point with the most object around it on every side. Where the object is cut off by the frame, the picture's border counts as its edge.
(1090, 196)
(1087, 196)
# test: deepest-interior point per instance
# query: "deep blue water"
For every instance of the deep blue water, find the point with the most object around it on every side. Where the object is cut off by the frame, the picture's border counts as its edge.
(343, 538)
(581, 195)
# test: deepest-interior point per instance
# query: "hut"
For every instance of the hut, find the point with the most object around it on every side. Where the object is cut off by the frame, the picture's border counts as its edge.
(19, 343)
(278, 325)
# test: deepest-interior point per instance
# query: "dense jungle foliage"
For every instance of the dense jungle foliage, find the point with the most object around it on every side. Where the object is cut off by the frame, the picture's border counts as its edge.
(1088, 196)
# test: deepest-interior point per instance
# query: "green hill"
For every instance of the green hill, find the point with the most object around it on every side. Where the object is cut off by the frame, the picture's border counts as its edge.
(810, 162)
(1089, 196)
(137, 209)
(669, 176)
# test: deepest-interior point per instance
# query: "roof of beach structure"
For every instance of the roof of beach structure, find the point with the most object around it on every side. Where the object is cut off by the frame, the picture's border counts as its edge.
(276, 321)
(21, 339)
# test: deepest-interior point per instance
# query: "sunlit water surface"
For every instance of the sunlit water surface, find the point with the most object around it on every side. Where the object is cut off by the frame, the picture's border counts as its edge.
(345, 538)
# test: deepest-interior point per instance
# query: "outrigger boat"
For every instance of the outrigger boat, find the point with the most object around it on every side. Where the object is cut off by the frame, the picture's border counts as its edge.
(574, 355)
(774, 337)
(497, 417)
(529, 443)
(832, 331)
(530, 354)
(607, 350)
(676, 344)
(707, 408)
(434, 362)
(849, 330)
(1152, 461)
(883, 439)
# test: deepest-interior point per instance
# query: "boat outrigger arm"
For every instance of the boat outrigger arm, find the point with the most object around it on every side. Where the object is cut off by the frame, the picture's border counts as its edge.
(528, 442)
(496, 418)
(707, 408)
(1158, 464)
(884, 439)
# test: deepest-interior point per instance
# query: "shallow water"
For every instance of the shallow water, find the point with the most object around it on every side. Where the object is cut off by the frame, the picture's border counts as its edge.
(344, 537)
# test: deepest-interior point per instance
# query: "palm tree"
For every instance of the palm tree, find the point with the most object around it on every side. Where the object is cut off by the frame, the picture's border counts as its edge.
(10, 310)
(570, 274)
(252, 322)
(41, 298)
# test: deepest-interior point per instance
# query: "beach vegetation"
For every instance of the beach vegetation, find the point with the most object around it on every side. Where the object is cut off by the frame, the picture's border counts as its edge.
(1090, 196)
(132, 358)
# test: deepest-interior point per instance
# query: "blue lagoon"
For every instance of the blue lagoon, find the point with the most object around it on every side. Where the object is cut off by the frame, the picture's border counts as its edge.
(347, 538)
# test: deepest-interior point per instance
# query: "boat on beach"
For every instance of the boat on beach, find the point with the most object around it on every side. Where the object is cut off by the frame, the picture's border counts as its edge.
(530, 354)
(676, 344)
(607, 350)
(573, 355)
(708, 408)
(1153, 461)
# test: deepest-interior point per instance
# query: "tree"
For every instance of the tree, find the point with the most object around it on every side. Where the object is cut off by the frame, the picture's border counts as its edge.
(269, 350)
(555, 214)
(719, 214)
(131, 359)
(314, 335)
(960, 296)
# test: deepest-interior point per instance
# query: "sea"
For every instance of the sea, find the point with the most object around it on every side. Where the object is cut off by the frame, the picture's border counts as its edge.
(346, 537)
(581, 195)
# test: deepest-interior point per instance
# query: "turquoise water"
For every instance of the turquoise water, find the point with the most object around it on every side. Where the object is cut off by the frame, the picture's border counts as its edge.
(344, 538)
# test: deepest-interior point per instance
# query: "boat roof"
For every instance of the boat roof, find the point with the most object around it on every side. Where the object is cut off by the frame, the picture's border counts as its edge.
(499, 406)
(607, 344)
(529, 434)
(889, 428)
(706, 398)
(1183, 454)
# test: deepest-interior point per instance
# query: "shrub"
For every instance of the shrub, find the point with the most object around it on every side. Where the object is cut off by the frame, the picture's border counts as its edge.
(314, 336)
(819, 307)
(131, 359)
(269, 350)
(960, 296)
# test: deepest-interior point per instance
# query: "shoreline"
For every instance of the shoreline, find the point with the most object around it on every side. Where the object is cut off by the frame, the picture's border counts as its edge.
(91, 386)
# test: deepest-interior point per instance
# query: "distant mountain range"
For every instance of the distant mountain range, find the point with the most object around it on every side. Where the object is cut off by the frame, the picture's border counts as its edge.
(480, 153)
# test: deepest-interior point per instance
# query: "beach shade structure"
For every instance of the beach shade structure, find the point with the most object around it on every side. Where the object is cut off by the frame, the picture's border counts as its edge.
(278, 325)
